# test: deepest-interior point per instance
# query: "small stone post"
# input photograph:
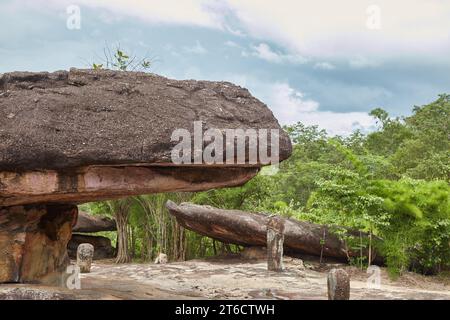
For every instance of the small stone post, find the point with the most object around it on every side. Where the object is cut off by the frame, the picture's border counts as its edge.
(85, 254)
(338, 285)
(275, 239)
(161, 259)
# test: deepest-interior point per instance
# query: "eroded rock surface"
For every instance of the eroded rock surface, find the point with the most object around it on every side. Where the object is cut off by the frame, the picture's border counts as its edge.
(85, 135)
(338, 284)
(85, 254)
(89, 224)
(101, 183)
(33, 241)
(229, 278)
(77, 118)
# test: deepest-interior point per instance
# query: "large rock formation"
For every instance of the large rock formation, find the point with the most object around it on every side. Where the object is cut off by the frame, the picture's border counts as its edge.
(87, 223)
(84, 135)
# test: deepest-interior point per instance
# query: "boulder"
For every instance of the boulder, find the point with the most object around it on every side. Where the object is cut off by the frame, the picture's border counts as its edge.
(102, 134)
(89, 224)
(80, 118)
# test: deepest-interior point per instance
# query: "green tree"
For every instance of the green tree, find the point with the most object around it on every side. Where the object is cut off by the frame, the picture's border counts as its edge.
(120, 210)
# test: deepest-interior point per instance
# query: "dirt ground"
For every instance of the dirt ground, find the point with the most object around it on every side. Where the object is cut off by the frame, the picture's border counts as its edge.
(231, 278)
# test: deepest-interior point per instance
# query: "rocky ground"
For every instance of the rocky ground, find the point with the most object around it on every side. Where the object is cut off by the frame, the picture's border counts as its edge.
(229, 278)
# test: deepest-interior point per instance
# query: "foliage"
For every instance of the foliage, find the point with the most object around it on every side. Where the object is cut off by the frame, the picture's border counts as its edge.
(117, 59)
(392, 183)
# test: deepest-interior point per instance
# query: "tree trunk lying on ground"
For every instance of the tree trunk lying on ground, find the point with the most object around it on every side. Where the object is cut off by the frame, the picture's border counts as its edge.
(89, 224)
(250, 229)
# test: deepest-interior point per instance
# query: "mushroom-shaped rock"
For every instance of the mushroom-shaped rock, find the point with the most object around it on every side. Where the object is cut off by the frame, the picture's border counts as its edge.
(76, 136)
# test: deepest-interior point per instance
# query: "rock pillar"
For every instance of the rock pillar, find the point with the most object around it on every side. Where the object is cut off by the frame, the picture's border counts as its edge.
(33, 242)
(338, 285)
(85, 254)
(275, 239)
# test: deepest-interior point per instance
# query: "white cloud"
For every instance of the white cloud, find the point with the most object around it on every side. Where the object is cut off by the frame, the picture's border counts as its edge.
(336, 123)
(232, 44)
(360, 62)
(235, 32)
(290, 106)
(196, 49)
(265, 52)
(186, 12)
(290, 101)
(324, 66)
(320, 28)
(324, 28)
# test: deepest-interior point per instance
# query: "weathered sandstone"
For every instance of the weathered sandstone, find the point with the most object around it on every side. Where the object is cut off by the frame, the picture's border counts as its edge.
(33, 241)
(89, 224)
(70, 137)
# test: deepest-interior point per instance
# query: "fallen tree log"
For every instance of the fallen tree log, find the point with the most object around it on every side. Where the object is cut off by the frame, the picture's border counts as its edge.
(250, 229)
(89, 224)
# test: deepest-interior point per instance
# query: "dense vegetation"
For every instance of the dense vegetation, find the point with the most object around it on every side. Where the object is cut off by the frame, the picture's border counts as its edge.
(392, 183)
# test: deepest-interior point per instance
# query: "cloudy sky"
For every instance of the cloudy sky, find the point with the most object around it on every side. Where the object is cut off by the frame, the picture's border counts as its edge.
(321, 62)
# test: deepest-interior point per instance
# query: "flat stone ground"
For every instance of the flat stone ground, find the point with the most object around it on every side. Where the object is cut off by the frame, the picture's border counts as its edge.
(232, 278)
